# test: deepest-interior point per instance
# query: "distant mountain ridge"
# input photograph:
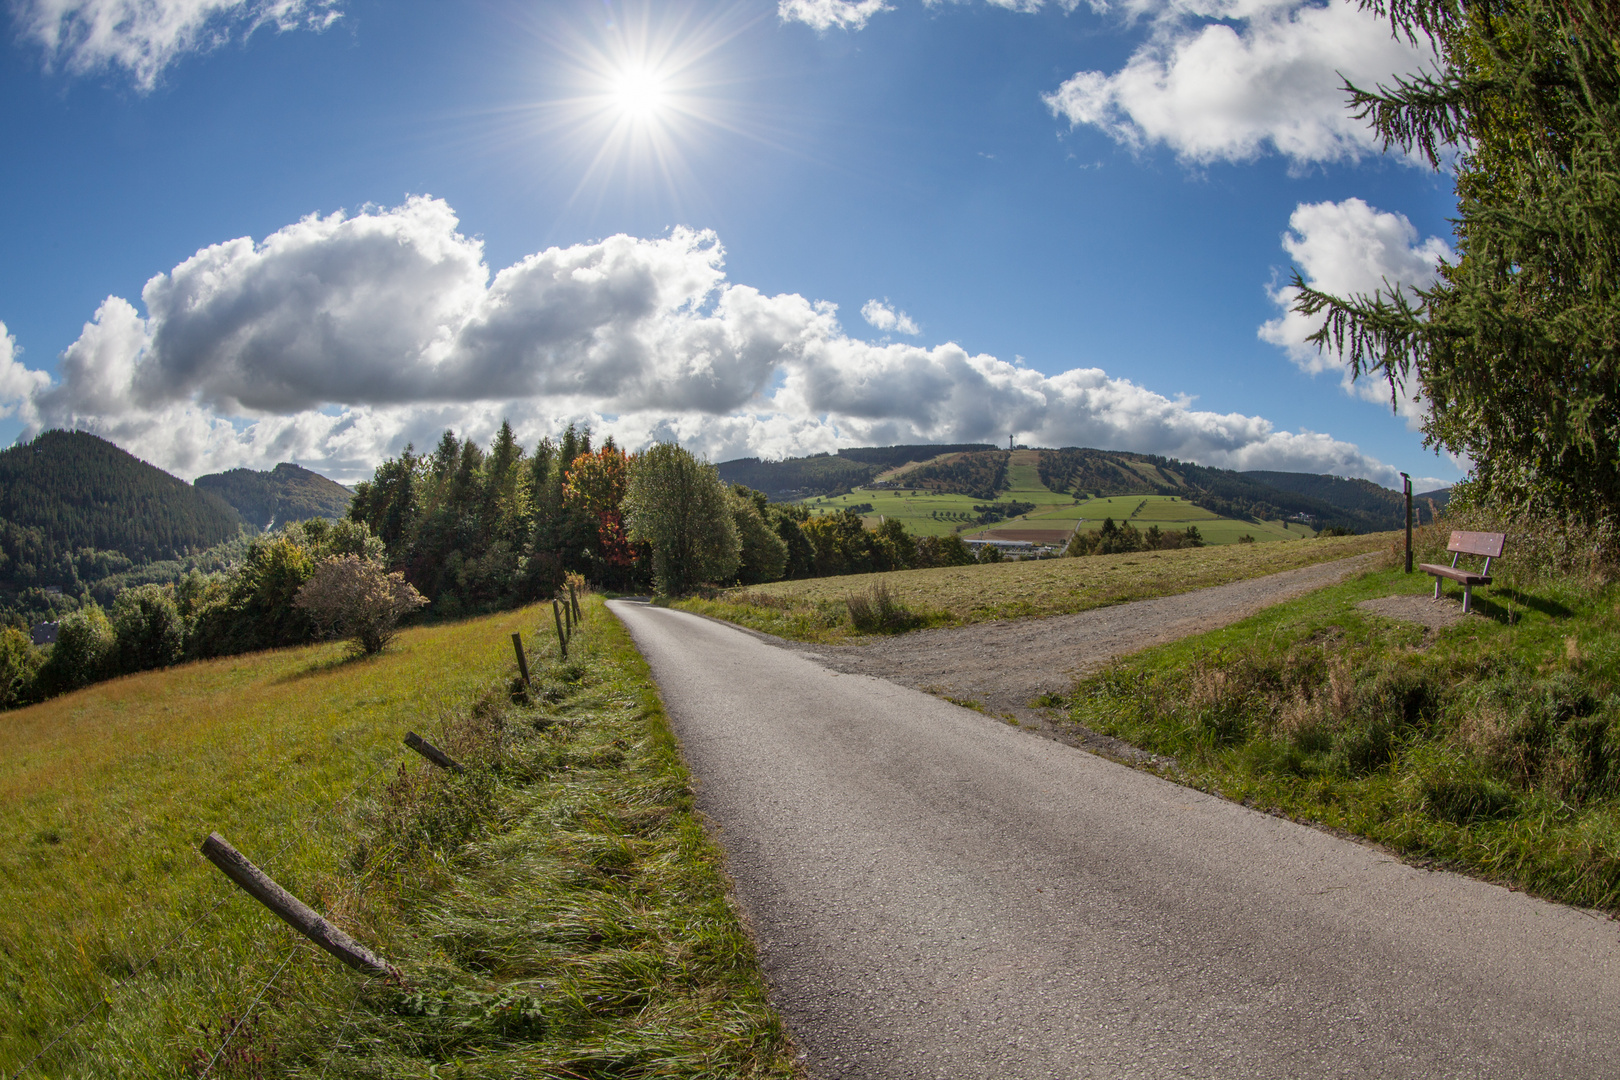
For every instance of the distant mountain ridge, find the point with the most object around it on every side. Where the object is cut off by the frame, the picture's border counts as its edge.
(70, 499)
(285, 494)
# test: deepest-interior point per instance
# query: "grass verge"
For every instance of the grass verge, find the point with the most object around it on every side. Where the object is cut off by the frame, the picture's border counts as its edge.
(1491, 746)
(557, 911)
(817, 609)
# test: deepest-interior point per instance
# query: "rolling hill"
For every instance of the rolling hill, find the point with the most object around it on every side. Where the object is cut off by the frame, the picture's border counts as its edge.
(983, 473)
(285, 494)
(72, 502)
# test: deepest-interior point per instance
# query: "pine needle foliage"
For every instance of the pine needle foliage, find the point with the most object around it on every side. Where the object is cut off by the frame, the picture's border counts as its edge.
(1514, 349)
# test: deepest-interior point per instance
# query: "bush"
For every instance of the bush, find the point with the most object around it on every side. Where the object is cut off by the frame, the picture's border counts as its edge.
(876, 611)
(151, 633)
(19, 665)
(350, 597)
(85, 650)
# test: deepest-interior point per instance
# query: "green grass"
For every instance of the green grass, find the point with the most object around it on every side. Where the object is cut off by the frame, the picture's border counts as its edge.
(816, 610)
(928, 514)
(557, 912)
(1492, 747)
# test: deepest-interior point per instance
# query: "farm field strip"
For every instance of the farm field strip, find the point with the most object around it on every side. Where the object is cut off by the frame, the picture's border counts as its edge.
(814, 609)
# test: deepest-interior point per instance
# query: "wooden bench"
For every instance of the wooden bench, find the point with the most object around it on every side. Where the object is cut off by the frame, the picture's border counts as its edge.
(1467, 543)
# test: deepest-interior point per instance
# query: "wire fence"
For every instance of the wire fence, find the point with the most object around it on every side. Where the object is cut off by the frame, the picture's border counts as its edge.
(105, 997)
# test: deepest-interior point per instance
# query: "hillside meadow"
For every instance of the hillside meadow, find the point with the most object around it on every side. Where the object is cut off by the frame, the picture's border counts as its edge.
(109, 915)
(816, 609)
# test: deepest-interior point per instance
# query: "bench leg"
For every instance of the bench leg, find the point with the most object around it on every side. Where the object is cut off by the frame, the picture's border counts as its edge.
(1437, 587)
(1468, 598)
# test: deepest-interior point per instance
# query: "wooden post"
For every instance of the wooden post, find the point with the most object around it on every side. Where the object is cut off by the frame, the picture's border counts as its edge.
(523, 665)
(432, 753)
(1407, 482)
(568, 620)
(257, 884)
(562, 640)
(574, 600)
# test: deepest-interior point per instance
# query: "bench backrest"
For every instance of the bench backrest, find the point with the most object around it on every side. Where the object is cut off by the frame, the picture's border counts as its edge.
(1477, 543)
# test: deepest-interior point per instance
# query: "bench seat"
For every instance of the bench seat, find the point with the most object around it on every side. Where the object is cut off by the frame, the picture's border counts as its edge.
(1488, 545)
(1462, 577)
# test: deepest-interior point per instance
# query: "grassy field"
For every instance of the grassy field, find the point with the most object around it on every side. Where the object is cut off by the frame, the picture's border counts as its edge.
(930, 514)
(1491, 747)
(815, 610)
(557, 912)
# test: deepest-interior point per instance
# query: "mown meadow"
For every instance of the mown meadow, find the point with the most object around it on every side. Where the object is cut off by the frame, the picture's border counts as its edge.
(818, 609)
(1491, 746)
(557, 911)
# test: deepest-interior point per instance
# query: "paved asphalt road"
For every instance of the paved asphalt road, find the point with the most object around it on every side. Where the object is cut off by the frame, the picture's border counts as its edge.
(937, 894)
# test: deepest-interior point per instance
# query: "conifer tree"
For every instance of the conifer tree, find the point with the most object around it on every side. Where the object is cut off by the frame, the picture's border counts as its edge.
(1515, 348)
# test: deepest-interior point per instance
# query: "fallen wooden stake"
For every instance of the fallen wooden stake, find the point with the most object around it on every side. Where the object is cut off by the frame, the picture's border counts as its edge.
(432, 753)
(293, 911)
(523, 665)
(562, 639)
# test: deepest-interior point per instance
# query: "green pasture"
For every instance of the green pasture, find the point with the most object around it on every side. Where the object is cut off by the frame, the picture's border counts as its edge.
(108, 912)
(922, 513)
(929, 514)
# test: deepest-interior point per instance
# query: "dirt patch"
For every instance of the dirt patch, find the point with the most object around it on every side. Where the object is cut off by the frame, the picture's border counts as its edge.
(1422, 609)
(1005, 666)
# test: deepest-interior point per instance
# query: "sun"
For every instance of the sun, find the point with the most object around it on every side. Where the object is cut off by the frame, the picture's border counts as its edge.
(639, 93)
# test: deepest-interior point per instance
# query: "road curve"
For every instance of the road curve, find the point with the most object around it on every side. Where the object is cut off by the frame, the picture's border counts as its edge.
(936, 894)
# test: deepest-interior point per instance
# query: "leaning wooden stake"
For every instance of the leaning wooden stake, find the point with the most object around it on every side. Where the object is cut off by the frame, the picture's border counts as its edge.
(257, 884)
(523, 665)
(568, 620)
(432, 753)
(574, 600)
(562, 639)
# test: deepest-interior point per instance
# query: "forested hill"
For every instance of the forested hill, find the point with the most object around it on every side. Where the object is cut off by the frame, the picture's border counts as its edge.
(829, 474)
(68, 495)
(285, 494)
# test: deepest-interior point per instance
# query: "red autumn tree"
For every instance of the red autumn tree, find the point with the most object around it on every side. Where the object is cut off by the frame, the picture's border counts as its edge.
(596, 484)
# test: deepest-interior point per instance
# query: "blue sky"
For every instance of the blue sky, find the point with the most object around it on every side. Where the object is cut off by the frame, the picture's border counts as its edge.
(246, 231)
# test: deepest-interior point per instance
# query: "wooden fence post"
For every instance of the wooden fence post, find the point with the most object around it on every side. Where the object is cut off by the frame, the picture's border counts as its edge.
(568, 620)
(432, 753)
(574, 600)
(523, 665)
(562, 640)
(293, 911)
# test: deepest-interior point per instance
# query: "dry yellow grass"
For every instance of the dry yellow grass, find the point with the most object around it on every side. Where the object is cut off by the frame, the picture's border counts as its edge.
(811, 610)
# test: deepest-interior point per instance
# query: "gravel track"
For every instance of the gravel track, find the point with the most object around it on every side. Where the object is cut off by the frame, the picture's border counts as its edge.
(1004, 666)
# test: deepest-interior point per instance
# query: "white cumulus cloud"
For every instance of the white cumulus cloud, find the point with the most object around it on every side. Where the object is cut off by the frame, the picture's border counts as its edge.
(143, 37)
(1350, 248)
(881, 314)
(338, 339)
(824, 15)
(1266, 77)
